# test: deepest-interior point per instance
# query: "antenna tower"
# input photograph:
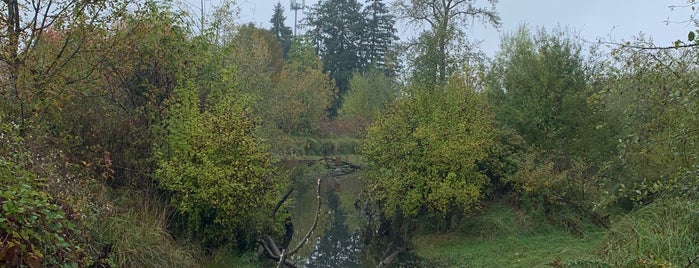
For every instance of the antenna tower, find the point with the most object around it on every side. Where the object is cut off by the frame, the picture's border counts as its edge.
(296, 6)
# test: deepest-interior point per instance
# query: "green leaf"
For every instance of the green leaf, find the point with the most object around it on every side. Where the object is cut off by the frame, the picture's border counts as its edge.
(691, 36)
(55, 226)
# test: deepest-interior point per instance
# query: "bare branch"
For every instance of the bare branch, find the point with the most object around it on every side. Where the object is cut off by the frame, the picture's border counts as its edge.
(391, 258)
(621, 45)
(315, 221)
(279, 204)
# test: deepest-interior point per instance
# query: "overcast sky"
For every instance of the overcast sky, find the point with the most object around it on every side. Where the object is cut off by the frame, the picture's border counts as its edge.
(612, 20)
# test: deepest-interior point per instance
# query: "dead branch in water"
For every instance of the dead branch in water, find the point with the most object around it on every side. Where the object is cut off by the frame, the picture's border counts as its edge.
(280, 255)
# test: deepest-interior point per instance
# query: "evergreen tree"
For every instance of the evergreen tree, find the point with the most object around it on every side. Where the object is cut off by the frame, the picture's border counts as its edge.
(378, 37)
(336, 31)
(281, 31)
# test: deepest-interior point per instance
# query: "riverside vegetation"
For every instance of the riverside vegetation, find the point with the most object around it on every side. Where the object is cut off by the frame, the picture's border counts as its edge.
(131, 136)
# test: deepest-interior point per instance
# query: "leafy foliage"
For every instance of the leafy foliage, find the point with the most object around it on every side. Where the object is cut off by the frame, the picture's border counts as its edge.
(35, 230)
(303, 95)
(217, 169)
(540, 89)
(27, 80)
(370, 93)
(652, 92)
(425, 151)
(258, 56)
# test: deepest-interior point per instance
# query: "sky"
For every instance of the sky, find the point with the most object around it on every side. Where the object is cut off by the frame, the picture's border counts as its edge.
(609, 20)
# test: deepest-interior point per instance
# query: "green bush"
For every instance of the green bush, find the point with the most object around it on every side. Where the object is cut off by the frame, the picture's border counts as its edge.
(217, 170)
(423, 154)
(34, 229)
(332, 146)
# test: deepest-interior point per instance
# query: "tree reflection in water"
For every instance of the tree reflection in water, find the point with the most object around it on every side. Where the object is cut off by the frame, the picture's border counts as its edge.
(337, 247)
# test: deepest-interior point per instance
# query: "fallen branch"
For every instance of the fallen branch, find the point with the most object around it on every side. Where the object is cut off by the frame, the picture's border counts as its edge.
(273, 246)
(280, 255)
(282, 259)
(315, 222)
(391, 258)
(269, 252)
(279, 204)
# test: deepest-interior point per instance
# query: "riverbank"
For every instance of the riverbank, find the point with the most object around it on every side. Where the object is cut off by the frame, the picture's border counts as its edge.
(505, 237)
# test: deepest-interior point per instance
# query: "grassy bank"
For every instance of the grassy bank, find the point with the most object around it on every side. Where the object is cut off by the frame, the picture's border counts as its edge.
(505, 237)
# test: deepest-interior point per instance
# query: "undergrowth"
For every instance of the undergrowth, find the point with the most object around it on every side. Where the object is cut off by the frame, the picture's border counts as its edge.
(137, 231)
(662, 234)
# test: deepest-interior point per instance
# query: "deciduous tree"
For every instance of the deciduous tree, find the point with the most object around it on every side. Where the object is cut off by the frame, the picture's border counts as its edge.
(423, 154)
(369, 95)
(446, 20)
(539, 87)
(24, 24)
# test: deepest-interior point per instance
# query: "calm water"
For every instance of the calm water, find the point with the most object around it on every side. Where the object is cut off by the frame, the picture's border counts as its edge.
(336, 242)
(338, 246)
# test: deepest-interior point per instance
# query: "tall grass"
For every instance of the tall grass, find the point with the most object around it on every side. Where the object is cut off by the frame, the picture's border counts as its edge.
(662, 234)
(137, 231)
(224, 259)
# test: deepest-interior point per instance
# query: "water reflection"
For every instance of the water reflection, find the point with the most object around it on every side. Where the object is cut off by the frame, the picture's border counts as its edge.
(337, 247)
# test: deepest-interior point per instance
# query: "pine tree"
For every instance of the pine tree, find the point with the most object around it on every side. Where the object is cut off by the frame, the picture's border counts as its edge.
(281, 31)
(378, 37)
(336, 28)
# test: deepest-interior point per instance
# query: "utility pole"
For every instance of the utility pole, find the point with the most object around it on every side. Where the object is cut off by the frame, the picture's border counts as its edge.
(296, 6)
(202, 17)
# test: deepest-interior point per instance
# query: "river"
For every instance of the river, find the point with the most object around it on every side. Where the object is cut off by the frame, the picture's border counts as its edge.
(336, 242)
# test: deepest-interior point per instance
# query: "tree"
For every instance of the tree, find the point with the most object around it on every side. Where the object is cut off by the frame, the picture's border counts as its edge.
(281, 31)
(23, 25)
(539, 87)
(303, 95)
(369, 95)
(223, 27)
(218, 170)
(423, 154)
(336, 31)
(446, 19)
(258, 55)
(651, 92)
(378, 37)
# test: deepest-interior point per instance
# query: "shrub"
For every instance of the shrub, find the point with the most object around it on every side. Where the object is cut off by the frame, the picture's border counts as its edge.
(423, 154)
(216, 168)
(34, 230)
(332, 146)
